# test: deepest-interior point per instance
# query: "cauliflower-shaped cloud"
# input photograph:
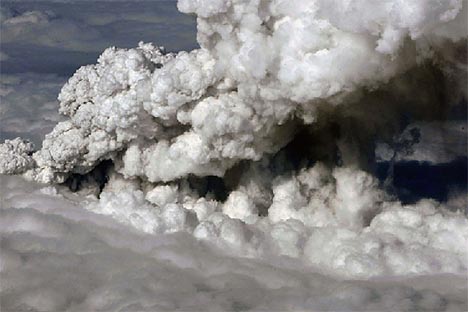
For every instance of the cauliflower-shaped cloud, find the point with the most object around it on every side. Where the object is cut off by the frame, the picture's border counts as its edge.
(15, 156)
(261, 70)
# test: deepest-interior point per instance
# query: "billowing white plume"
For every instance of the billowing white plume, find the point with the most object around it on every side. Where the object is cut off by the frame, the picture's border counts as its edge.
(341, 71)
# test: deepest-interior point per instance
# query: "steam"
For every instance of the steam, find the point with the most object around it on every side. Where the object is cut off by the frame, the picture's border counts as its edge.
(262, 141)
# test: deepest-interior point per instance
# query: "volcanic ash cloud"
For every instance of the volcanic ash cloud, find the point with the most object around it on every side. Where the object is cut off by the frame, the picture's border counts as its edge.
(263, 138)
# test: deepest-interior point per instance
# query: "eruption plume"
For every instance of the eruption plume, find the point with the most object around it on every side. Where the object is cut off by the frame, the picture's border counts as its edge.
(264, 138)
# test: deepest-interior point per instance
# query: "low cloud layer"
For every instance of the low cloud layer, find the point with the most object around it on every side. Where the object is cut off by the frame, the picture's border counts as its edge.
(57, 256)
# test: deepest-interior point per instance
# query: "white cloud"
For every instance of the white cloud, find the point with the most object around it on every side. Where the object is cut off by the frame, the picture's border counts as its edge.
(57, 256)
